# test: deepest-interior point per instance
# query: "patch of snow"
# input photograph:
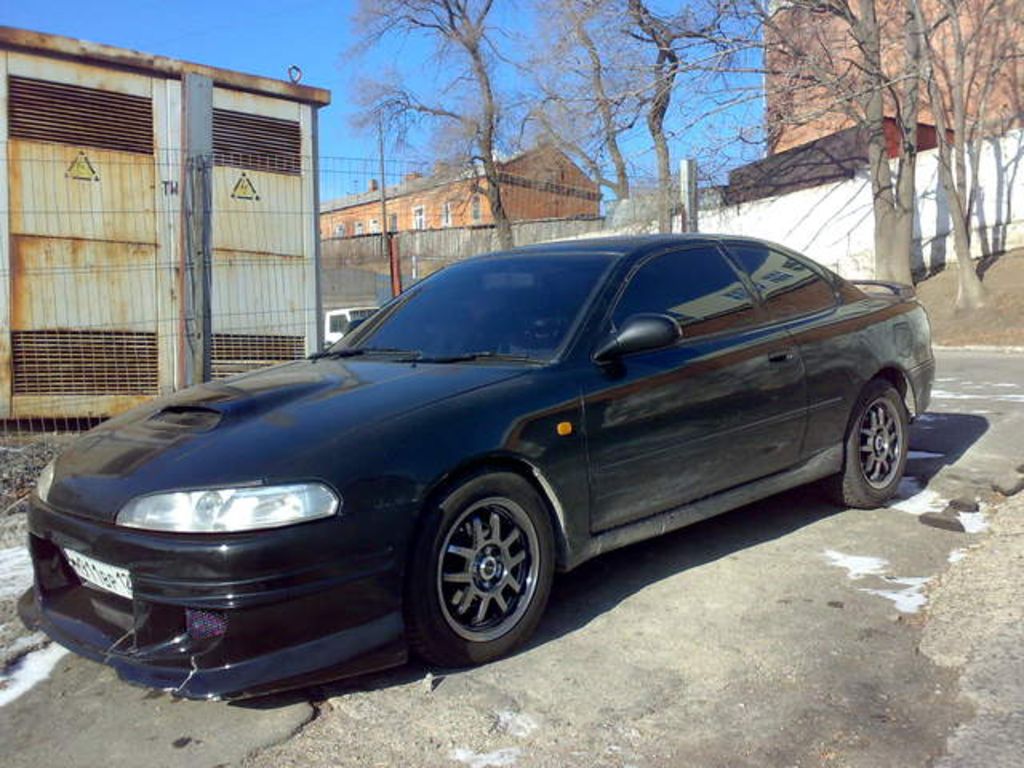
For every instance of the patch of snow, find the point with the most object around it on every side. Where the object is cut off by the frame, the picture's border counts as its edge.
(30, 669)
(15, 572)
(22, 644)
(973, 522)
(924, 455)
(913, 498)
(941, 394)
(516, 723)
(1006, 385)
(856, 566)
(908, 600)
(957, 555)
(499, 758)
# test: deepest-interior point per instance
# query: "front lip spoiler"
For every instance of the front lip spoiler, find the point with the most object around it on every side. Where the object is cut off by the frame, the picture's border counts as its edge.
(369, 647)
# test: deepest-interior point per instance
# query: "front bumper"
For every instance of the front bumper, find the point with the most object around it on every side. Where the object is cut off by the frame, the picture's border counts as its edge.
(219, 616)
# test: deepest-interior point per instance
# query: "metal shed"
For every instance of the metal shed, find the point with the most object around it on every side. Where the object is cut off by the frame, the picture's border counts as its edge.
(100, 238)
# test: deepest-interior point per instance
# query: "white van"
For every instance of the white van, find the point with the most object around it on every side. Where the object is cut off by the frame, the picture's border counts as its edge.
(338, 322)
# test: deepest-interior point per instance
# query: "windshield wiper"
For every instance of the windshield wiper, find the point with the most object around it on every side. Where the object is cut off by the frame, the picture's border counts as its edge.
(483, 355)
(407, 354)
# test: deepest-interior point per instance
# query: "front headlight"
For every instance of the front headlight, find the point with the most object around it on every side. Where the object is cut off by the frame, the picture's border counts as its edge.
(44, 482)
(230, 509)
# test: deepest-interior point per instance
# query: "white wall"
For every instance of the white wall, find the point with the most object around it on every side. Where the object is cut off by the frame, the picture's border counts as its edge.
(833, 223)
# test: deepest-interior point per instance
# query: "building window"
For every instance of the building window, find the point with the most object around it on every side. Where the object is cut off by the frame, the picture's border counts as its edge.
(419, 217)
(446, 215)
(359, 228)
(475, 211)
(392, 222)
(374, 226)
(339, 230)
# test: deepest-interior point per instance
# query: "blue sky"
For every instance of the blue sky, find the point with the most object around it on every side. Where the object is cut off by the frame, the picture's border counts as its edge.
(265, 37)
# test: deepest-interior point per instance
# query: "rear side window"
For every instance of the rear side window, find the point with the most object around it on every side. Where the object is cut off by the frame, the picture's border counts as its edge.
(697, 287)
(789, 287)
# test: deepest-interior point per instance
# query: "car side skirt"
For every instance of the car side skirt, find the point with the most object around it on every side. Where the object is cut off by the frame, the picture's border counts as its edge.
(819, 466)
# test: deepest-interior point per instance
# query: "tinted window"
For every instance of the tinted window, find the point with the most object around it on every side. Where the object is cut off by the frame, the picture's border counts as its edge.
(697, 287)
(789, 287)
(512, 305)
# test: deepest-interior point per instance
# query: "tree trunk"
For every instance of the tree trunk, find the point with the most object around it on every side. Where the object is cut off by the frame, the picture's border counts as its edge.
(890, 262)
(970, 291)
(608, 127)
(502, 225)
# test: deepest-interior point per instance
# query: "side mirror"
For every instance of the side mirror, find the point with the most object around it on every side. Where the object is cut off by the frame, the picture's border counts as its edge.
(640, 333)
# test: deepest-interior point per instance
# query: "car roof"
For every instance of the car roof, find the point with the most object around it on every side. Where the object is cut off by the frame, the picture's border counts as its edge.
(616, 246)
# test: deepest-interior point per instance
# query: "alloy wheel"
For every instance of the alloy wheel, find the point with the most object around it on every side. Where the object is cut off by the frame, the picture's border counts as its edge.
(487, 569)
(881, 443)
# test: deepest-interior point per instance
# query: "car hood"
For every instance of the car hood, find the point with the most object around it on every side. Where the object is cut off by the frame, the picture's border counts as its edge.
(273, 424)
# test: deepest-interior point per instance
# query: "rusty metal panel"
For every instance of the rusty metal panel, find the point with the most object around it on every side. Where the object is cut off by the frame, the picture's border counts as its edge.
(43, 110)
(75, 283)
(263, 203)
(58, 190)
(5, 272)
(257, 211)
(259, 293)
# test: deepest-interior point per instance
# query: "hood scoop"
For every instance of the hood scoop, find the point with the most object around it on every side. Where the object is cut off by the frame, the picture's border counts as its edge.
(191, 417)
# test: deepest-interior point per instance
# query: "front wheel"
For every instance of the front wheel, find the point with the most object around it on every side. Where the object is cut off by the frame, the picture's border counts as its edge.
(876, 448)
(481, 571)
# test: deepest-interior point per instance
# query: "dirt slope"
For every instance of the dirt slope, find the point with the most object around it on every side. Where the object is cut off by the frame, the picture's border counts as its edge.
(1000, 322)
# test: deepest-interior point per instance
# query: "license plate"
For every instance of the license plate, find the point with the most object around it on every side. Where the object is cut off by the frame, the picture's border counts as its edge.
(99, 574)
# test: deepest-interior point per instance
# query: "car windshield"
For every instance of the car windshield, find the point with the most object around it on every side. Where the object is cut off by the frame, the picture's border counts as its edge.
(520, 306)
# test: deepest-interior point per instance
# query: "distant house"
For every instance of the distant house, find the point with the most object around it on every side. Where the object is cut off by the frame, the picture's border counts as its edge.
(541, 183)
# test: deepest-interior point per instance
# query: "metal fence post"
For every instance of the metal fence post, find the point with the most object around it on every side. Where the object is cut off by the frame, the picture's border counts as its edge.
(197, 97)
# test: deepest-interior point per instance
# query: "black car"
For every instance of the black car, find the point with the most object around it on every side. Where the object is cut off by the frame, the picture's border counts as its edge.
(415, 486)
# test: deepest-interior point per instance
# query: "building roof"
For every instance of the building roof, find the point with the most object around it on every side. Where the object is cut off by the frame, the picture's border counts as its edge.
(408, 186)
(446, 175)
(59, 46)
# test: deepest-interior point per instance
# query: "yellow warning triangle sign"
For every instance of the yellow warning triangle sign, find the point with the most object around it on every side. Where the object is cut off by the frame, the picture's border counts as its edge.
(244, 189)
(81, 169)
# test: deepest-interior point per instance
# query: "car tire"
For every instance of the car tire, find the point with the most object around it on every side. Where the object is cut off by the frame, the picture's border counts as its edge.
(474, 593)
(875, 451)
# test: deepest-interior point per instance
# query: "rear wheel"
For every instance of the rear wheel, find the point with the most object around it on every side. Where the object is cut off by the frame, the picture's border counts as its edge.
(876, 448)
(481, 571)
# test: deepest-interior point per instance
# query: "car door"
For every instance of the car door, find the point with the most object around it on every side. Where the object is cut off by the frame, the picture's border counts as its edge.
(801, 299)
(723, 406)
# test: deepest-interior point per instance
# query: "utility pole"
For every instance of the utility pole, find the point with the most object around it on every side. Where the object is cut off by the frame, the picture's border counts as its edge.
(197, 94)
(688, 191)
(388, 247)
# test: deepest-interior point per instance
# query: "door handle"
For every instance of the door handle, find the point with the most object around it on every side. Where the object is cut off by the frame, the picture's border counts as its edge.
(781, 357)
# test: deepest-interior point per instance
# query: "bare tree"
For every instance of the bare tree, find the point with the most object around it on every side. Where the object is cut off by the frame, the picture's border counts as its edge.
(970, 48)
(854, 63)
(461, 34)
(587, 101)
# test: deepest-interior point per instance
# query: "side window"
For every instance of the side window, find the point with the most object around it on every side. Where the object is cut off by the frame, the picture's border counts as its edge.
(696, 286)
(789, 287)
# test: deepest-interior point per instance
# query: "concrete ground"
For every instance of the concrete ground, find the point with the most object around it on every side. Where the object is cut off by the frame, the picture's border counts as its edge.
(786, 633)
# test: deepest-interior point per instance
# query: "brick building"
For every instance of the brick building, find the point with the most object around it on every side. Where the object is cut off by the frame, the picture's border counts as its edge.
(541, 183)
(801, 108)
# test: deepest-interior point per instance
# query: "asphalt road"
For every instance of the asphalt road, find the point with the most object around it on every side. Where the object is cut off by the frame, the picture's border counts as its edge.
(786, 633)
